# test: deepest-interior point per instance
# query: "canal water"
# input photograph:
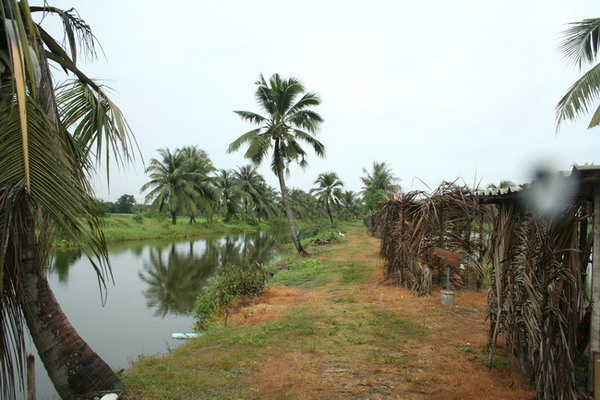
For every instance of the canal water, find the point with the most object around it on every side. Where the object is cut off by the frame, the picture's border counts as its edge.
(155, 287)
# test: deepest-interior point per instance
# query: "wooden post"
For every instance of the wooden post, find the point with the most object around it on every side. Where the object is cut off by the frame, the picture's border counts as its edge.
(30, 377)
(595, 323)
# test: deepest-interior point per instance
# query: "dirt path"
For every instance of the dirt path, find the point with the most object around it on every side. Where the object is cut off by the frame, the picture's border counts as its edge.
(376, 342)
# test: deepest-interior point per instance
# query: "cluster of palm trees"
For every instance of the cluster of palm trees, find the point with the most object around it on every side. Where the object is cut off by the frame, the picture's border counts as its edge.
(185, 182)
(180, 182)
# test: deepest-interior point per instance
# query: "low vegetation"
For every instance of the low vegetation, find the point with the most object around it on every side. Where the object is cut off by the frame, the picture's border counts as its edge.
(323, 328)
(240, 282)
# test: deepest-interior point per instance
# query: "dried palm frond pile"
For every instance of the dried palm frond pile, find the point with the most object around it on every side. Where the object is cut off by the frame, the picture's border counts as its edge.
(536, 296)
(414, 227)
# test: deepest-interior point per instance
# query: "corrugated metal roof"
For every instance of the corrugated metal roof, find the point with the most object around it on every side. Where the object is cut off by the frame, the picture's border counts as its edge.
(581, 174)
(497, 191)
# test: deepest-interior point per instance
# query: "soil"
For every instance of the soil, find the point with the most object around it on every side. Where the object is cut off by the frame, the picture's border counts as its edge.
(445, 364)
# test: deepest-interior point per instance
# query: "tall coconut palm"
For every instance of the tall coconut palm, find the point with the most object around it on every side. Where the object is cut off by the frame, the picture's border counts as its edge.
(327, 185)
(49, 141)
(288, 122)
(581, 45)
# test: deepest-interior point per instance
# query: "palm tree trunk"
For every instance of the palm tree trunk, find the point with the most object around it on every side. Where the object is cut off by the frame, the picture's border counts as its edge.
(74, 368)
(174, 218)
(328, 210)
(288, 211)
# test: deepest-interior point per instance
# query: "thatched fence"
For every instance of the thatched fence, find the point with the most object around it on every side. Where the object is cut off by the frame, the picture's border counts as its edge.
(419, 232)
(537, 297)
(535, 267)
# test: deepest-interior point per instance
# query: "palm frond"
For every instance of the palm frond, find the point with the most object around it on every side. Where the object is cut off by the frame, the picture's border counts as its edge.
(582, 41)
(579, 98)
(76, 31)
(17, 44)
(317, 146)
(251, 117)
(245, 138)
(98, 124)
(289, 91)
(258, 148)
(308, 100)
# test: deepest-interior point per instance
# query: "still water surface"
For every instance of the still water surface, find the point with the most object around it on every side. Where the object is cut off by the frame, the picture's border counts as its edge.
(156, 284)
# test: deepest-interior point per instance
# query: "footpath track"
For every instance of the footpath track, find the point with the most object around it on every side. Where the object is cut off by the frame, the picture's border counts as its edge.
(339, 335)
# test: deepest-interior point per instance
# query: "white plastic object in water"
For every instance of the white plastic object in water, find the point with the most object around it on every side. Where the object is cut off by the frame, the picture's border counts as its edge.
(185, 335)
(110, 396)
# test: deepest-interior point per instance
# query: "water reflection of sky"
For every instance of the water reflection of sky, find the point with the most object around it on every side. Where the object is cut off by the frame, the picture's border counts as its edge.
(156, 284)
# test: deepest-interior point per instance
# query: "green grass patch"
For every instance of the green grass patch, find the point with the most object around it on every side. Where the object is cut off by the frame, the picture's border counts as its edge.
(353, 273)
(306, 272)
(465, 348)
(393, 327)
(495, 362)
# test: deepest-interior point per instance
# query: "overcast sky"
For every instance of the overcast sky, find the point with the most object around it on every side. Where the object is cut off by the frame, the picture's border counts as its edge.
(437, 89)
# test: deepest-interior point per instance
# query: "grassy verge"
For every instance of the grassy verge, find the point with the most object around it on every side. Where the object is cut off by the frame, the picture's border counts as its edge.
(333, 327)
(121, 228)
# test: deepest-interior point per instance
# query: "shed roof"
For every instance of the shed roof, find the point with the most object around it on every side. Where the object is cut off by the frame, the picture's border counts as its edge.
(581, 180)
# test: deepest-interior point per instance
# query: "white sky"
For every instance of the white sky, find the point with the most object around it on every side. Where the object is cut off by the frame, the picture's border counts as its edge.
(437, 89)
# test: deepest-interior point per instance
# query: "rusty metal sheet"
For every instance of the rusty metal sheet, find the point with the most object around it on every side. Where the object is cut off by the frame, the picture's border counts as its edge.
(447, 257)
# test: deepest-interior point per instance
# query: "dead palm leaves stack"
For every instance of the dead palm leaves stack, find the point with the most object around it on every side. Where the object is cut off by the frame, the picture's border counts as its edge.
(536, 294)
(413, 226)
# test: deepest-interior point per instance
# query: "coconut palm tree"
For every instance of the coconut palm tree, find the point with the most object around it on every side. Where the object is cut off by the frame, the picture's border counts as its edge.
(382, 177)
(230, 192)
(198, 164)
(172, 185)
(303, 204)
(49, 142)
(250, 183)
(377, 184)
(581, 45)
(288, 122)
(349, 201)
(269, 202)
(327, 184)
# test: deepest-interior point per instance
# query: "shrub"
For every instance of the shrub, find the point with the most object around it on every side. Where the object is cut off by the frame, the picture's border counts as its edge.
(228, 284)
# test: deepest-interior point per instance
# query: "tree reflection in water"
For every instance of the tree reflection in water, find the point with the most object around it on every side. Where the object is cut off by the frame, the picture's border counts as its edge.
(62, 261)
(175, 275)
